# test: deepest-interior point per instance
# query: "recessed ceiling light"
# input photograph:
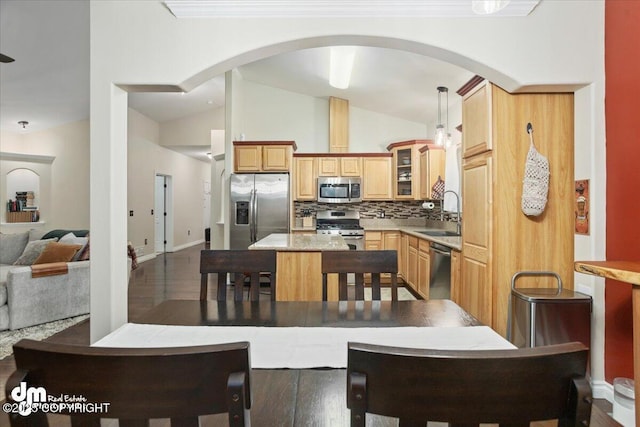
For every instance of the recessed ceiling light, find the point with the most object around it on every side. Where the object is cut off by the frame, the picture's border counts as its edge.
(341, 65)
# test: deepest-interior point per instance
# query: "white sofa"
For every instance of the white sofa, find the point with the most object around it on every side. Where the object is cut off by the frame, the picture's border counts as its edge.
(27, 301)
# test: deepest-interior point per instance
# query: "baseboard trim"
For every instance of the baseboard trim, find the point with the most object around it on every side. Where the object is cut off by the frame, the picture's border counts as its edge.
(148, 257)
(187, 245)
(602, 390)
(145, 258)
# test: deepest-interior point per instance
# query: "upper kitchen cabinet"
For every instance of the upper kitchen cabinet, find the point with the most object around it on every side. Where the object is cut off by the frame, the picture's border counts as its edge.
(338, 125)
(406, 168)
(340, 166)
(498, 239)
(476, 118)
(432, 161)
(305, 176)
(263, 156)
(376, 177)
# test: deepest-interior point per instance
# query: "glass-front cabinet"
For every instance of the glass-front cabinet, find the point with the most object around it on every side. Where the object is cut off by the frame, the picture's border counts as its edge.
(406, 168)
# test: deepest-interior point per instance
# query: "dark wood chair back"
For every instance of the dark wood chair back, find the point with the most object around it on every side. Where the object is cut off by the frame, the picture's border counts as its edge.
(360, 263)
(506, 387)
(136, 384)
(239, 264)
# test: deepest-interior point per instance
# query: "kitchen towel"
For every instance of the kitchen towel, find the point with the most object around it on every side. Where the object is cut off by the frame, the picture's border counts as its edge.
(302, 348)
(452, 178)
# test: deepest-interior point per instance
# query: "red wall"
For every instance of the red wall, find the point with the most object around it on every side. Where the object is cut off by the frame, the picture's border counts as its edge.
(622, 109)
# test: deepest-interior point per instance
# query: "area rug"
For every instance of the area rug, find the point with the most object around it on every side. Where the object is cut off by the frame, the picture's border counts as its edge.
(38, 332)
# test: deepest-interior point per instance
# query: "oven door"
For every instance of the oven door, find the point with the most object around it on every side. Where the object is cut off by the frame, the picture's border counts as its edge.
(355, 243)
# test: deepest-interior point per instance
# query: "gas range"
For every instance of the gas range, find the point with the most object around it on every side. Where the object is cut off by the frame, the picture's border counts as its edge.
(344, 223)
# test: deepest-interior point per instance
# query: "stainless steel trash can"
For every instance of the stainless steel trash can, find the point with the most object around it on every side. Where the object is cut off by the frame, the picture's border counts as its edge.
(544, 316)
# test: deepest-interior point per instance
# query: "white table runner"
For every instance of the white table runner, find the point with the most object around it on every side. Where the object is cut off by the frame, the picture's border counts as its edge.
(300, 347)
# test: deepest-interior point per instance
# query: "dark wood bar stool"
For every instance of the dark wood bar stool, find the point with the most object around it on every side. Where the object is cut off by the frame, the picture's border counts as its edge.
(469, 387)
(137, 384)
(239, 264)
(360, 263)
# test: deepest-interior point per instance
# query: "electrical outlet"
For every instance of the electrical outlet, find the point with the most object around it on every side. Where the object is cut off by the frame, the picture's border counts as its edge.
(130, 213)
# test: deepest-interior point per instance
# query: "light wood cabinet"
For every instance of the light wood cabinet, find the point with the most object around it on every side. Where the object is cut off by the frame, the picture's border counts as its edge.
(305, 178)
(338, 125)
(376, 178)
(328, 166)
(412, 263)
(476, 120)
(404, 256)
(339, 166)
(262, 156)
(455, 276)
(383, 240)
(373, 240)
(423, 269)
(392, 240)
(350, 166)
(432, 163)
(276, 158)
(247, 158)
(406, 169)
(498, 240)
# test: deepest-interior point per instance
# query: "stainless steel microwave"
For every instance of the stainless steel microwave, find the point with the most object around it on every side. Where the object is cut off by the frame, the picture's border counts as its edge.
(339, 189)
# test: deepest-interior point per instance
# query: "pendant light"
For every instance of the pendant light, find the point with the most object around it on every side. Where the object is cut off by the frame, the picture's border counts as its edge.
(441, 133)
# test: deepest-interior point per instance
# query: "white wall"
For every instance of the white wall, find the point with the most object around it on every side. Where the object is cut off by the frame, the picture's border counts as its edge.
(64, 184)
(146, 159)
(272, 114)
(558, 47)
(371, 132)
(269, 113)
(192, 130)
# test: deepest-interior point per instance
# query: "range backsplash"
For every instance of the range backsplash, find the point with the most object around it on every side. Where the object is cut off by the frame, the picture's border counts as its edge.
(372, 210)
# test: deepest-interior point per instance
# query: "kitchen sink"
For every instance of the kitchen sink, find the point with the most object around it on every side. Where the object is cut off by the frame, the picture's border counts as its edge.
(439, 233)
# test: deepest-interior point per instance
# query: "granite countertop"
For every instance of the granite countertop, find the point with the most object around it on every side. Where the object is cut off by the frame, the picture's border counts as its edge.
(301, 242)
(454, 242)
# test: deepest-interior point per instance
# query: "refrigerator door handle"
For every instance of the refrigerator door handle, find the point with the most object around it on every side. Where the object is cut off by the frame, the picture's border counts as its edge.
(251, 218)
(255, 216)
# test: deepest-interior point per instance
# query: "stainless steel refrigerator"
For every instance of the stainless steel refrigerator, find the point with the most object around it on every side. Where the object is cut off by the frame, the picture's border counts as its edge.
(259, 207)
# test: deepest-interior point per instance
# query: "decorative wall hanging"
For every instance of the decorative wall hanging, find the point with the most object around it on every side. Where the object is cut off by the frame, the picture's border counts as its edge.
(581, 207)
(535, 186)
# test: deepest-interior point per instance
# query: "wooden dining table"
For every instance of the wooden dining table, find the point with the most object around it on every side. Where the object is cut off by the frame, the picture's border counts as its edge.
(305, 397)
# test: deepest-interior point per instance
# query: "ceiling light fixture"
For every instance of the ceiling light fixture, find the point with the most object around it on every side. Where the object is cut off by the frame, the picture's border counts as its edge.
(341, 65)
(24, 124)
(442, 134)
(487, 7)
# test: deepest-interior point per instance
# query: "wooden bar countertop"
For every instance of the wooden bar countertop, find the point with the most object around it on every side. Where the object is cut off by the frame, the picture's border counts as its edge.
(624, 271)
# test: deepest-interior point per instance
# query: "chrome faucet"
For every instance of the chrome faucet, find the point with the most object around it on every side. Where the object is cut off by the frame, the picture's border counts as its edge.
(458, 217)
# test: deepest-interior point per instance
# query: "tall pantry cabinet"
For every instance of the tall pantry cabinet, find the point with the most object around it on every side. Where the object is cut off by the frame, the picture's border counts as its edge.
(498, 239)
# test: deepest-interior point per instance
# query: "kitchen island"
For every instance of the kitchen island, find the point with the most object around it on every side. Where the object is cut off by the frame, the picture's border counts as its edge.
(299, 264)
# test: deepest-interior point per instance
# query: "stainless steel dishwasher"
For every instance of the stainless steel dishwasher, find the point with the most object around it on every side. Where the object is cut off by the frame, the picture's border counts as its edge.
(440, 279)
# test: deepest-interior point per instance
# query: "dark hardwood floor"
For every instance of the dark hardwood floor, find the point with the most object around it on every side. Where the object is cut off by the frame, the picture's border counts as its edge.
(176, 276)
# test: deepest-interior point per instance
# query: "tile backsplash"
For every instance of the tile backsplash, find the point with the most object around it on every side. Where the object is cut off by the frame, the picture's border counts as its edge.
(371, 210)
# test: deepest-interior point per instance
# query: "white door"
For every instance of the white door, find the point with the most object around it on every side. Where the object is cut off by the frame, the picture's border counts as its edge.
(159, 214)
